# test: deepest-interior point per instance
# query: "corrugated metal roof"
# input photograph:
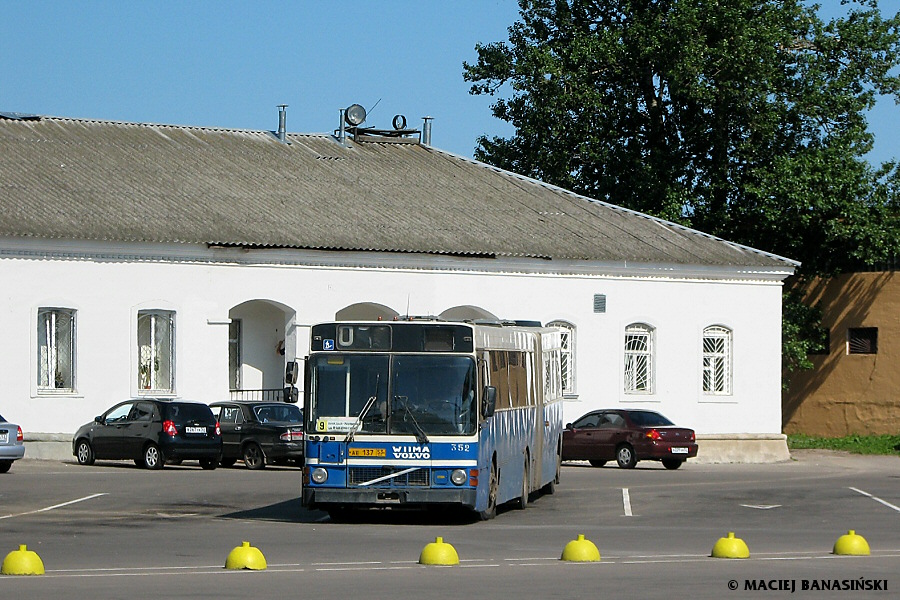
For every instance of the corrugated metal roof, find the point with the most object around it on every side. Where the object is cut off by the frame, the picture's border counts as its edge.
(100, 180)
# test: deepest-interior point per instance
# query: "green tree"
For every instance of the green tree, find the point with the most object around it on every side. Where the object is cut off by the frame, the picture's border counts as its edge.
(745, 119)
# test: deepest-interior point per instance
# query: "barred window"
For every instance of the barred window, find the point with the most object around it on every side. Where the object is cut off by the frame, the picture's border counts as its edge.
(567, 356)
(56, 350)
(862, 340)
(639, 359)
(156, 351)
(717, 360)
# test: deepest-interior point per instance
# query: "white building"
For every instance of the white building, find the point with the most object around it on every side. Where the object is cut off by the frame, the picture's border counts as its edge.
(189, 262)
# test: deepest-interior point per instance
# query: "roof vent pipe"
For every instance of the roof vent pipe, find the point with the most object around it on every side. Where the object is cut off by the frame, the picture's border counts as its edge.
(281, 121)
(426, 131)
(342, 133)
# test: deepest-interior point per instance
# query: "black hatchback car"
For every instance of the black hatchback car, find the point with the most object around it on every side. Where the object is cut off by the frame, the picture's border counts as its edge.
(151, 431)
(260, 433)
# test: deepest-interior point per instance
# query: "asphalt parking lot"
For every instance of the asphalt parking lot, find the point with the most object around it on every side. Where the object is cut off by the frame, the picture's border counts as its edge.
(115, 531)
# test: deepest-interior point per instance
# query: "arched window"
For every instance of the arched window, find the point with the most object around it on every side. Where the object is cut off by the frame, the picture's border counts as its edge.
(567, 355)
(156, 351)
(639, 359)
(56, 350)
(717, 360)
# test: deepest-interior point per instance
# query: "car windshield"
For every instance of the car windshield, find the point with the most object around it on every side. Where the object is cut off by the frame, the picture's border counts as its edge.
(2, 420)
(646, 418)
(411, 394)
(184, 412)
(278, 413)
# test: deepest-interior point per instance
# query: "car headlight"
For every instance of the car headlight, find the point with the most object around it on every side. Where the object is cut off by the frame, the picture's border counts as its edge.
(319, 475)
(459, 476)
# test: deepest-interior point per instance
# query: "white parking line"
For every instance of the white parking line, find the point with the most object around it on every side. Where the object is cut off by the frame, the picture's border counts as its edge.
(626, 501)
(888, 504)
(46, 508)
(482, 564)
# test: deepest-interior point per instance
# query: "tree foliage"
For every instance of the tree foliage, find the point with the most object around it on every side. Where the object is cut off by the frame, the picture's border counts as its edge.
(745, 119)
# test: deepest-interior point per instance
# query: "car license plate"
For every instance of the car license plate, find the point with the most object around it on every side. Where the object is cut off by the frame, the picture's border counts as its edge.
(4, 437)
(679, 450)
(190, 429)
(367, 452)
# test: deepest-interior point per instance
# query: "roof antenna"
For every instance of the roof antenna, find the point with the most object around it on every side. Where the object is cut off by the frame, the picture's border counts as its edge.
(373, 107)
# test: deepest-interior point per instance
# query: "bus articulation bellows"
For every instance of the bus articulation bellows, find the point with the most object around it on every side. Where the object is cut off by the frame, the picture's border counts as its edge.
(427, 413)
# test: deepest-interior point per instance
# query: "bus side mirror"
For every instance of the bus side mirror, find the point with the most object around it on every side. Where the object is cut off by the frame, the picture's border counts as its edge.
(291, 371)
(488, 401)
(291, 394)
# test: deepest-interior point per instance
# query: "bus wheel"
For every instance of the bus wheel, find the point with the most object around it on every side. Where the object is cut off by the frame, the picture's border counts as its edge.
(523, 499)
(550, 487)
(491, 511)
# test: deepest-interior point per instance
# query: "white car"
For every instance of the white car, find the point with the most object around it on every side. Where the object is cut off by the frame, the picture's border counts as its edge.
(12, 444)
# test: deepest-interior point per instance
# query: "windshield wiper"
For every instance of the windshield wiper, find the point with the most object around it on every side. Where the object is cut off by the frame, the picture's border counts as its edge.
(420, 433)
(368, 406)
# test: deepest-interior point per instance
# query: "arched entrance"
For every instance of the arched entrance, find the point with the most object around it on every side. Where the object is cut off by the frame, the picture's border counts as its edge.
(467, 312)
(366, 311)
(261, 338)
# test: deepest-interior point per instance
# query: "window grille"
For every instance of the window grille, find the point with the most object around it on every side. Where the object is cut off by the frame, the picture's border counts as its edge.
(567, 355)
(599, 303)
(156, 351)
(56, 349)
(717, 360)
(639, 359)
(862, 340)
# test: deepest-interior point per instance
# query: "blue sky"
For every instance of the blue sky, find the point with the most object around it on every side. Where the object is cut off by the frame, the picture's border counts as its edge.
(228, 64)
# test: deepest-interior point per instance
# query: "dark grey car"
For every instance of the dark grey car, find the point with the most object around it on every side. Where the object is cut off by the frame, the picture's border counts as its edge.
(260, 433)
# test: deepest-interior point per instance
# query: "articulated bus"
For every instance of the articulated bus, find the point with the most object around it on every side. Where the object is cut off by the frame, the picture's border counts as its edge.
(423, 412)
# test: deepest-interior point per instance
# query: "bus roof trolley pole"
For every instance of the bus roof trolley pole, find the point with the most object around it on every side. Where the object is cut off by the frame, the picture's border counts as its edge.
(420, 413)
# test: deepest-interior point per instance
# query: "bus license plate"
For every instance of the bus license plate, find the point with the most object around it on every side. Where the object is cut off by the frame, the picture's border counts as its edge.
(195, 429)
(679, 450)
(367, 452)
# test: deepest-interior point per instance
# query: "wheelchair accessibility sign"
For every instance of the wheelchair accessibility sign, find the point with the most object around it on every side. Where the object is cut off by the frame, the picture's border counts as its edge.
(327, 344)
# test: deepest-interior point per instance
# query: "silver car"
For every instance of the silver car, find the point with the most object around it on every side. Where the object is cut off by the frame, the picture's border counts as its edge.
(12, 444)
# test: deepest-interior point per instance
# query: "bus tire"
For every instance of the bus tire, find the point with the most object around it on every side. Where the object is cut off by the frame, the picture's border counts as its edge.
(526, 487)
(493, 489)
(550, 487)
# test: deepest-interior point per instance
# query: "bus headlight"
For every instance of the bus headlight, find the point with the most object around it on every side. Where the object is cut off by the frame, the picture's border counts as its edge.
(319, 475)
(459, 476)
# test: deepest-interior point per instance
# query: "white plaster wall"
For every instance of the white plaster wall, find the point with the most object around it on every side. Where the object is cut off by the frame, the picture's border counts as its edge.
(107, 294)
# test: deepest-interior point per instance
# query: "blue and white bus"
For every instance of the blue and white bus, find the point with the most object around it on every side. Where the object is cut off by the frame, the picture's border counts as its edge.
(423, 412)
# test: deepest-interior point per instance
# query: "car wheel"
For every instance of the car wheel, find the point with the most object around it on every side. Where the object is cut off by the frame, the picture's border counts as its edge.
(227, 462)
(625, 456)
(672, 463)
(254, 457)
(153, 457)
(491, 511)
(209, 463)
(5, 465)
(597, 463)
(84, 453)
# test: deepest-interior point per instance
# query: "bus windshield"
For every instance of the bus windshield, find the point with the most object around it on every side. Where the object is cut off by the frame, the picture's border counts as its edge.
(419, 395)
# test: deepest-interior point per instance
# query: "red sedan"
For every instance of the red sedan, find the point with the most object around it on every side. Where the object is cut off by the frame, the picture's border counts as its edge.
(627, 436)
